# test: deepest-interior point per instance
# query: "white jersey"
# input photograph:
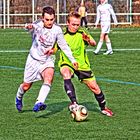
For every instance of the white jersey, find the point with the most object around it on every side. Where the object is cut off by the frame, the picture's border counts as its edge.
(104, 13)
(43, 39)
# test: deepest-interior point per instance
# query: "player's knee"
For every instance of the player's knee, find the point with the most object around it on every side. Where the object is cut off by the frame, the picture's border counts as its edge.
(66, 76)
(107, 40)
(101, 38)
(48, 80)
(97, 91)
(94, 88)
(26, 86)
(66, 73)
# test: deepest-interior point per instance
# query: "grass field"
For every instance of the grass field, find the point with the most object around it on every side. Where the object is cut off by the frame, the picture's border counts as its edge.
(118, 75)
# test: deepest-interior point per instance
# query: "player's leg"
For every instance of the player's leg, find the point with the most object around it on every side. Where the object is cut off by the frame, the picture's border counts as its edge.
(93, 86)
(68, 85)
(20, 93)
(28, 76)
(99, 95)
(85, 20)
(106, 30)
(108, 44)
(47, 76)
(100, 43)
(81, 23)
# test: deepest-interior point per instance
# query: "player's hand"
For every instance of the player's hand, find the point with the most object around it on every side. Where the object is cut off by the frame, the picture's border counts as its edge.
(29, 26)
(50, 52)
(75, 64)
(85, 37)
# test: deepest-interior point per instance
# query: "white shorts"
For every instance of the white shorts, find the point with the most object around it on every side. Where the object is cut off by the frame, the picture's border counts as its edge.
(33, 68)
(105, 27)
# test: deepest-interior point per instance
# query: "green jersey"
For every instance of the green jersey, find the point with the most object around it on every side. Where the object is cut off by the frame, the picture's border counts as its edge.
(77, 46)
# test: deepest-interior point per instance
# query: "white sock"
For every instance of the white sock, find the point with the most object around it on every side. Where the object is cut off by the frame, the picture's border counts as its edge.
(99, 46)
(20, 93)
(109, 48)
(43, 93)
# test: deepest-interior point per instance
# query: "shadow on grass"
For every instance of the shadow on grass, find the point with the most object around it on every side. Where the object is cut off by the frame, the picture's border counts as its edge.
(25, 111)
(54, 108)
(91, 106)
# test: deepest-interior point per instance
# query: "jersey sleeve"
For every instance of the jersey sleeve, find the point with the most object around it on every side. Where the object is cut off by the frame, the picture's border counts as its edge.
(97, 16)
(35, 25)
(64, 47)
(113, 14)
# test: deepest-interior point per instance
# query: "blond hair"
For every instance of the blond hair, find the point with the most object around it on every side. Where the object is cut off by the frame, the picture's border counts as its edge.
(73, 14)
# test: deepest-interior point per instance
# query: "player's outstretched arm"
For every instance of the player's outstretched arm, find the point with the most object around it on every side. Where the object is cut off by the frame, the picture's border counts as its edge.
(51, 51)
(29, 26)
(86, 38)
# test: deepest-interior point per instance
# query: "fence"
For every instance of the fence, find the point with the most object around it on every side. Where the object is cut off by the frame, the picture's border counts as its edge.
(15, 13)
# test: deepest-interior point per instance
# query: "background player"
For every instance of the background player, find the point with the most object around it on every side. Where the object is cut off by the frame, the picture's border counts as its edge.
(82, 10)
(104, 12)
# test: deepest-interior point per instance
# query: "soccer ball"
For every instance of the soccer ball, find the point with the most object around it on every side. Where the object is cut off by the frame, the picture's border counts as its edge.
(80, 113)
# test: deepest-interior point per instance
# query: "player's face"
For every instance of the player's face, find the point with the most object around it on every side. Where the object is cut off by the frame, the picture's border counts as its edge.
(73, 24)
(102, 1)
(48, 20)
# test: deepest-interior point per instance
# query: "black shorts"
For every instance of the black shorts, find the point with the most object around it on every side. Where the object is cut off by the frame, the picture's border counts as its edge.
(82, 75)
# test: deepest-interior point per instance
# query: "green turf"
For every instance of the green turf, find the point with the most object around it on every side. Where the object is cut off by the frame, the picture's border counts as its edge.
(118, 75)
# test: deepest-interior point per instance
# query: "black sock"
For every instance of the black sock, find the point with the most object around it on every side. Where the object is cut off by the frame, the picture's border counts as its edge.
(69, 88)
(101, 100)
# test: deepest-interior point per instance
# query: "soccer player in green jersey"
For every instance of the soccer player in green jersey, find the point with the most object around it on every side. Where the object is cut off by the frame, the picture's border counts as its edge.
(77, 39)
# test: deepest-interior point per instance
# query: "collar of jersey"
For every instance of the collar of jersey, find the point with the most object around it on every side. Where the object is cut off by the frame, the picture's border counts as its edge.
(67, 31)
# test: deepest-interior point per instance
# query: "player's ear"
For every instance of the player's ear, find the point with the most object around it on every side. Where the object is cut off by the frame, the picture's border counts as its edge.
(67, 22)
(54, 18)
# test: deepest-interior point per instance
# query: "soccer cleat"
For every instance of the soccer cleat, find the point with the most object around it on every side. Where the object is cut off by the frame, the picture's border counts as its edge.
(108, 53)
(96, 53)
(73, 106)
(19, 104)
(39, 107)
(107, 112)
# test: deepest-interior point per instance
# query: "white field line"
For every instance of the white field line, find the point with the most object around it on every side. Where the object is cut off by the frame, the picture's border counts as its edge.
(25, 51)
(136, 49)
(118, 32)
(14, 51)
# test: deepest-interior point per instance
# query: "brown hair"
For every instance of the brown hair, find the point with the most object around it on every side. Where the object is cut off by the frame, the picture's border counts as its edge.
(48, 10)
(73, 14)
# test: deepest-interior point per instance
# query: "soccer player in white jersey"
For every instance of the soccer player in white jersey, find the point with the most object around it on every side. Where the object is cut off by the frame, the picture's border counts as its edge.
(104, 13)
(40, 63)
